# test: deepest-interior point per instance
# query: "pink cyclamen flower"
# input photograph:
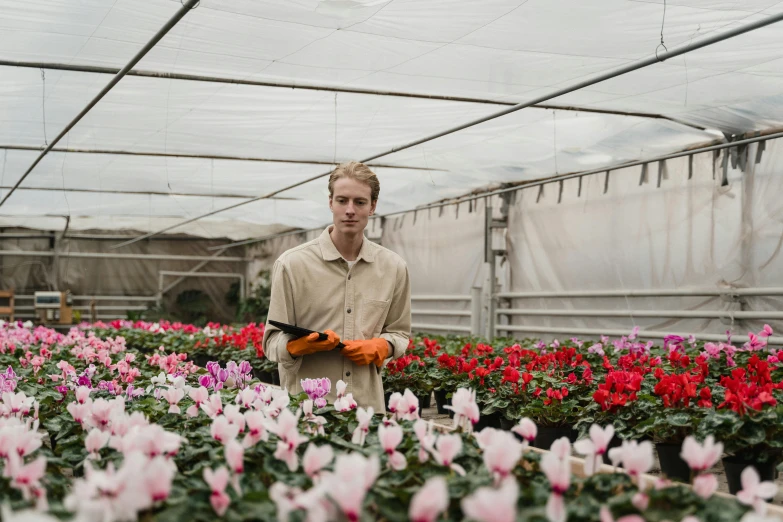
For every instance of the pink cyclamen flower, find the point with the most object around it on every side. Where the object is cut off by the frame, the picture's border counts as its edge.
(316, 388)
(235, 417)
(640, 501)
(364, 417)
(247, 397)
(25, 443)
(526, 429)
(430, 501)
(25, 477)
(595, 447)
(447, 447)
(502, 452)
(701, 457)
(200, 396)
(754, 492)
(341, 387)
(81, 413)
(315, 459)
(287, 431)
(754, 343)
(222, 430)
(465, 408)
(705, 485)
(354, 476)
(83, 394)
(256, 428)
(213, 406)
(235, 458)
(217, 480)
(561, 448)
(344, 401)
(390, 437)
(96, 440)
(558, 472)
(16, 404)
(101, 413)
(493, 505)
(634, 333)
(766, 331)
(636, 458)
(159, 474)
(313, 502)
(173, 396)
(404, 406)
(423, 431)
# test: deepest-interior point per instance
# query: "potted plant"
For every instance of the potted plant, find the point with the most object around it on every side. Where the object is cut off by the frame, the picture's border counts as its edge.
(748, 420)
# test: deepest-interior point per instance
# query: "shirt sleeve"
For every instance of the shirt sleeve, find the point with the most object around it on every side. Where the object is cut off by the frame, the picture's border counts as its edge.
(281, 308)
(397, 329)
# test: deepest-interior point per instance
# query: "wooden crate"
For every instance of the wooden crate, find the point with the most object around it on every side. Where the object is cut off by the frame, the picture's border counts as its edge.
(7, 304)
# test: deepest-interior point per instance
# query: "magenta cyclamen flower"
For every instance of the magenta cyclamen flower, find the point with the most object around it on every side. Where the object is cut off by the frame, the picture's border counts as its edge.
(596, 349)
(213, 368)
(317, 389)
(673, 342)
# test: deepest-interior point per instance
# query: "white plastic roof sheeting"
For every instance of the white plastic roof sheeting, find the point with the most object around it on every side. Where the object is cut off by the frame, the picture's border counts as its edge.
(502, 50)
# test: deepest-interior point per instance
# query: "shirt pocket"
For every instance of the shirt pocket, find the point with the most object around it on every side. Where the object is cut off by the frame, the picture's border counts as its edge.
(374, 312)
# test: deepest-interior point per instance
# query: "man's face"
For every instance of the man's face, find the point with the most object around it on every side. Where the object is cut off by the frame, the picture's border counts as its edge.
(351, 205)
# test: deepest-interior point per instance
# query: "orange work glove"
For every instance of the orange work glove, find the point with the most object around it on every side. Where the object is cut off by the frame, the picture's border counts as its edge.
(366, 351)
(310, 344)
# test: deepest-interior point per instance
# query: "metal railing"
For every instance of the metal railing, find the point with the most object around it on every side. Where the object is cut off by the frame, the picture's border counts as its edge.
(674, 314)
(452, 328)
(114, 311)
(670, 292)
(595, 332)
(728, 294)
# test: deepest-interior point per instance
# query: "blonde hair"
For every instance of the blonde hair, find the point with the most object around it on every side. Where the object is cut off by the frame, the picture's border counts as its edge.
(358, 171)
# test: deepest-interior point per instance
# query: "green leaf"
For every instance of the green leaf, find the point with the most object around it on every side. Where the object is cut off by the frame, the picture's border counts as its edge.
(753, 434)
(679, 419)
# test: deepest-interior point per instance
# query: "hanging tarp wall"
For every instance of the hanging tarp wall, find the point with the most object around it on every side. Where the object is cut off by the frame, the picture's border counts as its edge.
(114, 276)
(713, 222)
(444, 249)
(262, 255)
(654, 228)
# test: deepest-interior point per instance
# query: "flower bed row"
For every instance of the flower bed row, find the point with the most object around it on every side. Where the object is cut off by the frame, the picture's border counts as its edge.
(93, 428)
(215, 342)
(659, 393)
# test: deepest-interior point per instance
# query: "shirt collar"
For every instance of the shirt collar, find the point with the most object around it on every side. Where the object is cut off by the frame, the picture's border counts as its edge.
(330, 252)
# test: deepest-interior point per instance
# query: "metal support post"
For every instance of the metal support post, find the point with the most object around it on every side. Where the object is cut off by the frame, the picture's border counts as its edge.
(475, 311)
(489, 257)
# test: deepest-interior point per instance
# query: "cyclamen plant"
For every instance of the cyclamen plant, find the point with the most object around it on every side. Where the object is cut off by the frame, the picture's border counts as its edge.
(181, 449)
(232, 376)
(317, 390)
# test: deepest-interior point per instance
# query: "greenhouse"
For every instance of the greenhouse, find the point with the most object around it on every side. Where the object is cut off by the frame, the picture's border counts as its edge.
(564, 303)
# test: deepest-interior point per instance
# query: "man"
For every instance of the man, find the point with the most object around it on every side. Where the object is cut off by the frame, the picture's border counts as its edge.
(346, 286)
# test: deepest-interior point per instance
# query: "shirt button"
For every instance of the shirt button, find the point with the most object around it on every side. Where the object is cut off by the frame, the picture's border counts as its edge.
(349, 310)
(347, 374)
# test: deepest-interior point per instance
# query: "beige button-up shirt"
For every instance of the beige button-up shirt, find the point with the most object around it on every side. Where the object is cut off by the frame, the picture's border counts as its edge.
(313, 287)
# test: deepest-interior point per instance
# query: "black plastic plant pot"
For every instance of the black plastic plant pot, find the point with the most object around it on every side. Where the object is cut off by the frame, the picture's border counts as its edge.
(672, 464)
(548, 434)
(441, 401)
(616, 442)
(736, 464)
(488, 421)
